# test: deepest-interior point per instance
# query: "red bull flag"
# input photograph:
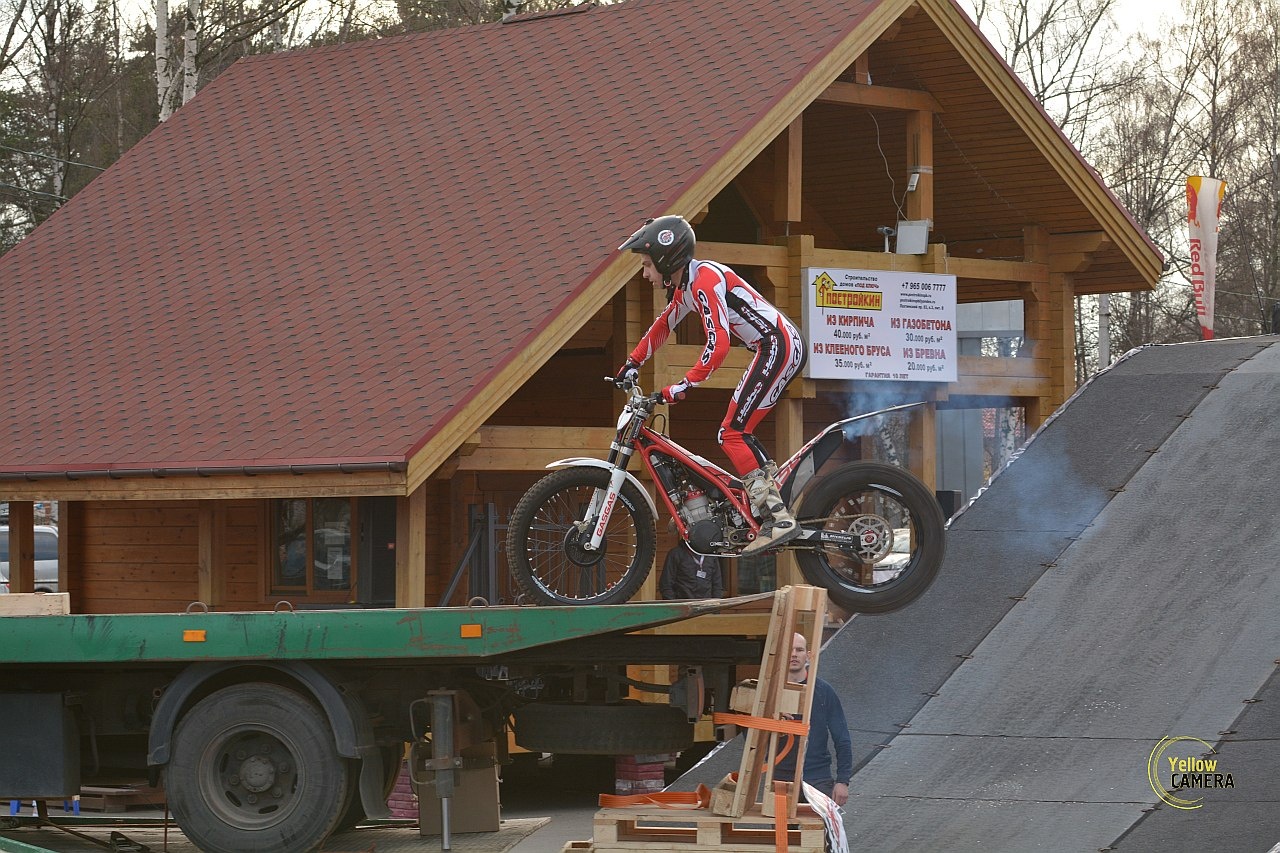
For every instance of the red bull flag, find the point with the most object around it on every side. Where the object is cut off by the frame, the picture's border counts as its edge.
(1204, 207)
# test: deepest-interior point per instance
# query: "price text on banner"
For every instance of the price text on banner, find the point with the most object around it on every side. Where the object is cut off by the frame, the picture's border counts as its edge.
(879, 324)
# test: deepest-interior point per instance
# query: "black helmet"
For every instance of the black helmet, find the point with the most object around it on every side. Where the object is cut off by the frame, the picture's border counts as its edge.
(668, 240)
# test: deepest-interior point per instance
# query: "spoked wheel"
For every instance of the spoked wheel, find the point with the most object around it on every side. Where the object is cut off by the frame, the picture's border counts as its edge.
(549, 534)
(880, 537)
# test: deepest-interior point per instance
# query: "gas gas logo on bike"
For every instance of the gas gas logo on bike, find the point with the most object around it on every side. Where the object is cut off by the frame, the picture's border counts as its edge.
(1180, 765)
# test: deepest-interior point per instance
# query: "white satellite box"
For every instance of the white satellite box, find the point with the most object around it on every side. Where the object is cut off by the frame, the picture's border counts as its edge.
(913, 236)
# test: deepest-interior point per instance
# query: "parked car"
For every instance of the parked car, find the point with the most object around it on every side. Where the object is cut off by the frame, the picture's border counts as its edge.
(46, 559)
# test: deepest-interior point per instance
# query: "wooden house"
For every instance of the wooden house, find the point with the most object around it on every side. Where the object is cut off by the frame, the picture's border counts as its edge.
(349, 294)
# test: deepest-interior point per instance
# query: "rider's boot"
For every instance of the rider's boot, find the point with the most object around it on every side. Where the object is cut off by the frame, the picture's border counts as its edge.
(777, 524)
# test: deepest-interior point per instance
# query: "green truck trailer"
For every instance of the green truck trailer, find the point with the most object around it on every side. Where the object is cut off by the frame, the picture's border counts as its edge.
(271, 730)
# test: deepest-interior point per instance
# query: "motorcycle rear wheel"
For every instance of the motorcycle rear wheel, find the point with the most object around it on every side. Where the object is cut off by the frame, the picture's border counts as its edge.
(545, 536)
(897, 530)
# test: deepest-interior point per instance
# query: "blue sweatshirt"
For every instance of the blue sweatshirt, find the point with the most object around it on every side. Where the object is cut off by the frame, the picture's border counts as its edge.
(826, 718)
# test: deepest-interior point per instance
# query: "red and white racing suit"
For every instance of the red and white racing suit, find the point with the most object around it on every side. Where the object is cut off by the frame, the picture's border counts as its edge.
(728, 305)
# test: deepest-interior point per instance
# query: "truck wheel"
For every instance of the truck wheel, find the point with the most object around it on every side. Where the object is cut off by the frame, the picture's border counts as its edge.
(255, 768)
(630, 728)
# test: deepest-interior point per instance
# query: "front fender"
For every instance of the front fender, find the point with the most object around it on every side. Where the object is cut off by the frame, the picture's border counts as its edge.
(796, 472)
(588, 462)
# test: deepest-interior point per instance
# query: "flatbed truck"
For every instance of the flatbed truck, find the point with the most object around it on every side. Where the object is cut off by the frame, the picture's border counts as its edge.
(271, 730)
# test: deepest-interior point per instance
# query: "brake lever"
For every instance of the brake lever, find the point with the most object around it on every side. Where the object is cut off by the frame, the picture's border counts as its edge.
(624, 385)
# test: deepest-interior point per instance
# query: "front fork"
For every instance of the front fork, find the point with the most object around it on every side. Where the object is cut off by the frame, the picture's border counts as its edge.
(601, 509)
(604, 500)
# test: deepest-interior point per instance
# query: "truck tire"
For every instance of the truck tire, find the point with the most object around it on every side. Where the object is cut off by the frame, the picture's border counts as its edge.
(629, 728)
(255, 769)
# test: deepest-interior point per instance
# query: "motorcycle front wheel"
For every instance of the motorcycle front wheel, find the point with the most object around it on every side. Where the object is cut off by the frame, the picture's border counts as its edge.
(880, 537)
(548, 530)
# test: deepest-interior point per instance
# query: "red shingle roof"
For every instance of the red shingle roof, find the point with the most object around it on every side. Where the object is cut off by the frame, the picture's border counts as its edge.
(327, 251)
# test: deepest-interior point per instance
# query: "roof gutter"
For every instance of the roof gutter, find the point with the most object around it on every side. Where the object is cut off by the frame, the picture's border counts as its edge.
(242, 471)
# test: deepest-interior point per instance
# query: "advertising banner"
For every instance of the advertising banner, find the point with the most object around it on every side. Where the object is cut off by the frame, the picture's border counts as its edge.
(880, 324)
(1204, 208)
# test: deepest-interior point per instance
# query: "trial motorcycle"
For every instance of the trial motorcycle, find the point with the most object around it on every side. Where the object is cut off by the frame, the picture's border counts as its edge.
(871, 533)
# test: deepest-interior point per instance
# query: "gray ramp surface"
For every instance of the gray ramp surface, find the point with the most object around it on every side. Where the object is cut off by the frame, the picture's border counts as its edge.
(1113, 585)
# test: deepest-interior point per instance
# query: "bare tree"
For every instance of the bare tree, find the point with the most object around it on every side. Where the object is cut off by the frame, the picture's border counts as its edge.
(15, 38)
(1064, 51)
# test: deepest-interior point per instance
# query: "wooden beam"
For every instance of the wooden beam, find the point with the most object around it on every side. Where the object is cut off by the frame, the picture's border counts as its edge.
(32, 604)
(1087, 242)
(531, 448)
(1011, 387)
(216, 487)
(885, 97)
(862, 70)
(992, 270)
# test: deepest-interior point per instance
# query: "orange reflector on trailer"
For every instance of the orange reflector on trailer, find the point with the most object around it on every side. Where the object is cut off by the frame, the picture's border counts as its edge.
(470, 632)
(193, 635)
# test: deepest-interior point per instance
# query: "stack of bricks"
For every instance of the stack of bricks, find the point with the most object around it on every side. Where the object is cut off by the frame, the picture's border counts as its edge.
(640, 774)
(403, 802)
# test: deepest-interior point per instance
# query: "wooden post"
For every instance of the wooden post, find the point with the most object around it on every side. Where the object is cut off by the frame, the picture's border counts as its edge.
(1062, 342)
(211, 586)
(920, 163)
(70, 527)
(922, 430)
(787, 172)
(411, 548)
(1035, 317)
(22, 546)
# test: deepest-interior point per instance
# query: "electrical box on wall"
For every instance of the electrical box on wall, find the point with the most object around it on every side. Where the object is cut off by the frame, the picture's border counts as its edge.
(913, 237)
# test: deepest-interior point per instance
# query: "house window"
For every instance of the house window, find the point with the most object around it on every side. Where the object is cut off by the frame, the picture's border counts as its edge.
(312, 551)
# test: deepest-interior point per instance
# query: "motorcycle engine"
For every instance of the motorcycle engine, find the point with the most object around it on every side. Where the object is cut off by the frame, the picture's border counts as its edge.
(704, 529)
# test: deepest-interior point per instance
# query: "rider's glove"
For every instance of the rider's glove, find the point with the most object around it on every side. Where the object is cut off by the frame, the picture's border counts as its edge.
(629, 372)
(672, 393)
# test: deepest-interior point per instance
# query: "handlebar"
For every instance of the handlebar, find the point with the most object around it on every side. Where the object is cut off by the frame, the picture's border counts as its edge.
(637, 394)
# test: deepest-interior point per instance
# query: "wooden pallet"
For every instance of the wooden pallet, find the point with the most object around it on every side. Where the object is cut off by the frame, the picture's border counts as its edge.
(653, 829)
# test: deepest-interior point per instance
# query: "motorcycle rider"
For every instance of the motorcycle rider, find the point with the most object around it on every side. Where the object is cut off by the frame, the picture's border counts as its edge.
(726, 305)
